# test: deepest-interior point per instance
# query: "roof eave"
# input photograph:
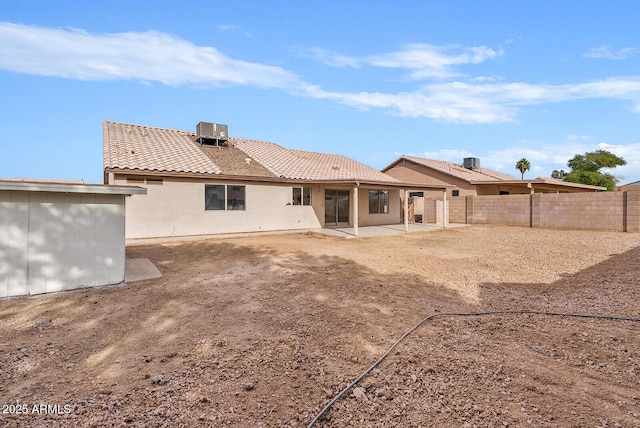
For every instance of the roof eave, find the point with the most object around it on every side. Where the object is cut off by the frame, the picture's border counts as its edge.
(283, 180)
(72, 188)
(527, 183)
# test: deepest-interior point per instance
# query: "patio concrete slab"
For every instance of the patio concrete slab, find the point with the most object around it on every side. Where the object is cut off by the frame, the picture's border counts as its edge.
(391, 229)
(140, 269)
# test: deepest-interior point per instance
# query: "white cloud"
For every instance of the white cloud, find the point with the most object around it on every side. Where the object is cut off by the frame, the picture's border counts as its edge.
(605, 52)
(430, 102)
(225, 27)
(428, 61)
(461, 102)
(450, 155)
(146, 56)
(547, 156)
(423, 60)
(159, 57)
(328, 57)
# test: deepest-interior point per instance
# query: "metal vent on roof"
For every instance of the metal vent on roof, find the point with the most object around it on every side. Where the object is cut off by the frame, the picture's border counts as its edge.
(471, 163)
(213, 132)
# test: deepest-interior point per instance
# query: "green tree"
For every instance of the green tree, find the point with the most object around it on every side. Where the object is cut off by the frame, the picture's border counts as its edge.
(585, 169)
(560, 175)
(523, 165)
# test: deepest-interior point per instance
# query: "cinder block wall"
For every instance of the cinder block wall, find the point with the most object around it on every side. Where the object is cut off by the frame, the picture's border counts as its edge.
(612, 211)
(594, 211)
(512, 210)
(457, 210)
(430, 210)
(632, 202)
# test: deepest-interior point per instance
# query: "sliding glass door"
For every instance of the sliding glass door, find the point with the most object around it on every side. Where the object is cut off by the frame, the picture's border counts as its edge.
(336, 207)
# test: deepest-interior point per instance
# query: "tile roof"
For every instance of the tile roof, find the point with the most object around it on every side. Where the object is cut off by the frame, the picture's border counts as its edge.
(143, 148)
(459, 171)
(304, 165)
(233, 161)
(147, 148)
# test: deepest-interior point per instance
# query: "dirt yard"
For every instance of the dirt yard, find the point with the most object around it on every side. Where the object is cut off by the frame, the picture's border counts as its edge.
(264, 331)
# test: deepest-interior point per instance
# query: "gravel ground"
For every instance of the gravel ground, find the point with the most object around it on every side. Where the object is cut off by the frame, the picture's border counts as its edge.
(266, 330)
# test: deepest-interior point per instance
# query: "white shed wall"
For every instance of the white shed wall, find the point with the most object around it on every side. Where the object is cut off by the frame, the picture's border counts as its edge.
(60, 241)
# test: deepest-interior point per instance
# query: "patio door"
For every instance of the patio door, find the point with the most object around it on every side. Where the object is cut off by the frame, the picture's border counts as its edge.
(336, 207)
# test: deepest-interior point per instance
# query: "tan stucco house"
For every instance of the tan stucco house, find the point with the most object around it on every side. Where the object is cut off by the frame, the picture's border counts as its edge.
(208, 183)
(469, 179)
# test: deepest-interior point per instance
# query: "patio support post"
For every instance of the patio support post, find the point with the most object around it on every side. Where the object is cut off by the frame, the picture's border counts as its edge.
(406, 210)
(445, 211)
(355, 210)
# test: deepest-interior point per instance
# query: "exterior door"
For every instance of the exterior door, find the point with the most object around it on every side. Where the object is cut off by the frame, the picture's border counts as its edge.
(336, 207)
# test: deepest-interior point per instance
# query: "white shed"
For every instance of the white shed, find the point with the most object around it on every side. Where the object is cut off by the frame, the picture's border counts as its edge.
(58, 236)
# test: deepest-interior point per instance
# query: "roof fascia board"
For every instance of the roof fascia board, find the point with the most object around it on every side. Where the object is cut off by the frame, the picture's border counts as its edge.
(73, 188)
(527, 183)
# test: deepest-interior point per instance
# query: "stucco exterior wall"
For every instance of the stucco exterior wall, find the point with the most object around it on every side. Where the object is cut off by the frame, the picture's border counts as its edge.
(365, 219)
(488, 189)
(60, 241)
(177, 208)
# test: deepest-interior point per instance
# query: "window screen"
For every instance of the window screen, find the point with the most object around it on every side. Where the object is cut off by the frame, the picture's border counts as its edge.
(378, 201)
(213, 197)
(235, 197)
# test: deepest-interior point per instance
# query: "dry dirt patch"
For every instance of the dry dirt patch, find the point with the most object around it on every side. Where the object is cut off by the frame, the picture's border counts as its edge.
(263, 331)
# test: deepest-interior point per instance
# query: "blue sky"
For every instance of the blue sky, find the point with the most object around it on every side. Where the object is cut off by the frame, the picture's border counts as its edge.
(497, 80)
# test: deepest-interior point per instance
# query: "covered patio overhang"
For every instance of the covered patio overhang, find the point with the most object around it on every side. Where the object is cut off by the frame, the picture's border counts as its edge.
(404, 188)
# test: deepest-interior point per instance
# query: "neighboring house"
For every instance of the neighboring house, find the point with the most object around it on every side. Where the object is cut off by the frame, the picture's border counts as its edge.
(205, 182)
(629, 186)
(60, 235)
(469, 178)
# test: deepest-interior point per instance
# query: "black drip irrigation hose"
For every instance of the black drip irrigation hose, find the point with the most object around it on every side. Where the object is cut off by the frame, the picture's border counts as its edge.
(455, 314)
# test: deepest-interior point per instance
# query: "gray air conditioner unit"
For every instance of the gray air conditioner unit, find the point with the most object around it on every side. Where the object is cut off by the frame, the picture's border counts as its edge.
(212, 131)
(471, 163)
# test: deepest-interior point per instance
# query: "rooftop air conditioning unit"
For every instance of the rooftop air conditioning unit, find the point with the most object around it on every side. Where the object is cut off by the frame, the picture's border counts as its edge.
(471, 163)
(212, 131)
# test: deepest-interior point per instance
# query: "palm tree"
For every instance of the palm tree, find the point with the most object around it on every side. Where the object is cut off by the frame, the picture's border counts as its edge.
(523, 165)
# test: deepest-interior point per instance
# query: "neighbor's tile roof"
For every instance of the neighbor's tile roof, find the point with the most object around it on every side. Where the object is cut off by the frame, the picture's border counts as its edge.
(459, 171)
(143, 148)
